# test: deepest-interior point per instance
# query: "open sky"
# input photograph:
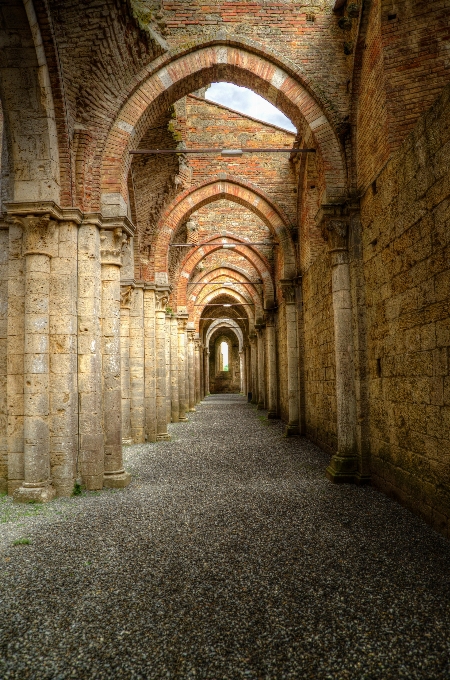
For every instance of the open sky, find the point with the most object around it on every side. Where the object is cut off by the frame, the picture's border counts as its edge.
(245, 101)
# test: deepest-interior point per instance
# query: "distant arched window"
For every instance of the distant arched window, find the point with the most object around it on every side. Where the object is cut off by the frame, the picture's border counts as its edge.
(224, 355)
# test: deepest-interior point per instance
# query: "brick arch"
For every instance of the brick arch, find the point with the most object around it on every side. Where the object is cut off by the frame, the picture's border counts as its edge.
(212, 276)
(198, 66)
(222, 323)
(234, 296)
(258, 261)
(234, 190)
(246, 291)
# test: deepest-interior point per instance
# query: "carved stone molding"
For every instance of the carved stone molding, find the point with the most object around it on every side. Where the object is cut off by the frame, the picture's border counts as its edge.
(125, 297)
(111, 245)
(288, 290)
(269, 318)
(336, 234)
(39, 234)
(161, 300)
(182, 322)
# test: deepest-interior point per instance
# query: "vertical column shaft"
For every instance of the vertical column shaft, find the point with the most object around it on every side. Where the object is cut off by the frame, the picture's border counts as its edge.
(254, 367)
(271, 368)
(90, 456)
(161, 299)
(150, 364)
(168, 370)
(125, 303)
(63, 360)
(183, 406)
(111, 252)
(36, 385)
(197, 371)
(207, 390)
(137, 366)
(261, 368)
(174, 377)
(191, 366)
(288, 289)
(343, 465)
(4, 257)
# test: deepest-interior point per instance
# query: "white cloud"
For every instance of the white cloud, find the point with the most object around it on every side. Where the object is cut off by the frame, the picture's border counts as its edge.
(245, 101)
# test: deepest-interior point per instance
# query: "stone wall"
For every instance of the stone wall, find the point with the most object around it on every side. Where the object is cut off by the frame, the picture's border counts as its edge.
(318, 355)
(406, 228)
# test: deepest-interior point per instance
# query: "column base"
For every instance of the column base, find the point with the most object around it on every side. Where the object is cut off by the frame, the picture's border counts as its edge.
(164, 437)
(192, 410)
(342, 470)
(272, 415)
(182, 420)
(116, 480)
(291, 431)
(127, 442)
(361, 480)
(34, 494)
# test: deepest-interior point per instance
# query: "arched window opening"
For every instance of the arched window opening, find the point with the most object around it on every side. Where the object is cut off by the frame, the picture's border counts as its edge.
(224, 356)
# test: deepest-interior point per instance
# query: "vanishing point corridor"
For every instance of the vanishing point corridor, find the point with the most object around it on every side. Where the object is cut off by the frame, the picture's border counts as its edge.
(229, 556)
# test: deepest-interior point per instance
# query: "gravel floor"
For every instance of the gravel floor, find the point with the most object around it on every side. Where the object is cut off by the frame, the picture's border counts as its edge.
(229, 556)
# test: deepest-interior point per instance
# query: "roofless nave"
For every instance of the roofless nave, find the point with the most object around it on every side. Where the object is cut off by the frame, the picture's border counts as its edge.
(325, 273)
(147, 298)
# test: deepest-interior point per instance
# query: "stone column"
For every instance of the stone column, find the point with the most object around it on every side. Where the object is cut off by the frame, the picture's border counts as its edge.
(125, 305)
(161, 301)
(254, 367)
(261, 367)
(186, 368)
(63, 357)
(111, 241)
(334, 225)
(4, 257)
(182, 395)
(174, 377)
(242, 381)
(168, 374)
(197, 363)
(191, 365)
(38, 237)
(288, 290)
(248, 377)
(150, 363)
(271, 366)
(206, 371)
(137, 370)
(91, 454)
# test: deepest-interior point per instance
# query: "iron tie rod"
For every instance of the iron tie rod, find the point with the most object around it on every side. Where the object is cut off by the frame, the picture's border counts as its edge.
(223, 152)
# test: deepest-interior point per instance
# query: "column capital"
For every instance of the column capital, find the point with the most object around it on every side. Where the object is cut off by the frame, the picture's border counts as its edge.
(161, 299)
(39, 233)
(112, 243)
(182, 322)
(288, 287)
(125, 296)
(269, 317)
(333, 220)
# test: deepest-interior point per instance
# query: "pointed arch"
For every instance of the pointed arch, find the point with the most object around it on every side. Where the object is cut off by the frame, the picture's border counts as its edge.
(220, 60)
(232, 189)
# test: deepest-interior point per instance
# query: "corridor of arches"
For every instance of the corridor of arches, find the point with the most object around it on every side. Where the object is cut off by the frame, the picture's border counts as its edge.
(164, 255)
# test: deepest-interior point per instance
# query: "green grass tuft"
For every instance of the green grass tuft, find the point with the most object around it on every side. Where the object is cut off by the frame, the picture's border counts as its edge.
(77, 489)
(22, 541)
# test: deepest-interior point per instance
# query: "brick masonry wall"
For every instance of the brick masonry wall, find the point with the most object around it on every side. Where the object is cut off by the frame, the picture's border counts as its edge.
(402, 63)
(406, 241)
(213, 125)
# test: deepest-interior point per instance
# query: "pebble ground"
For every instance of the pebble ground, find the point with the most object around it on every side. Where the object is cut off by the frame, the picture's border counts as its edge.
(229, 556)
